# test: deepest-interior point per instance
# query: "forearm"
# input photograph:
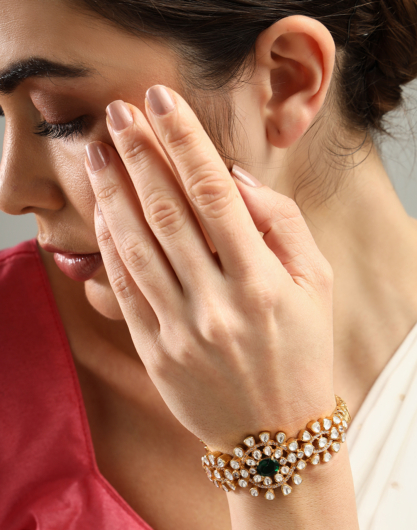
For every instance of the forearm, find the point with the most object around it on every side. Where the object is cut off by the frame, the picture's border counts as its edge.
(325, 499)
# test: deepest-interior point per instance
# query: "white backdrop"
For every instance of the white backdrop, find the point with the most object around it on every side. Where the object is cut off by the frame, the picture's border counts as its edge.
(399, 154)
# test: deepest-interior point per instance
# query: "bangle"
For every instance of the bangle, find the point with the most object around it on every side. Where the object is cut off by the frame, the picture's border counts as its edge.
(270, 463)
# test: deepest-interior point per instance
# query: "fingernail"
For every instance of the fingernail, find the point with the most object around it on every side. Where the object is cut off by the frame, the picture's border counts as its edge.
(119, 115)
(245, 177)
(160, 100)
(97, 156)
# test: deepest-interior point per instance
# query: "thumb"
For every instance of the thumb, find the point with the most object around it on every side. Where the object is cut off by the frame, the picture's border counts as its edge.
(285, 231)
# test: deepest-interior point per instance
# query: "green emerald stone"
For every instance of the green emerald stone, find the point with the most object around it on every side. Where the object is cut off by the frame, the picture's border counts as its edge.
(268, 467)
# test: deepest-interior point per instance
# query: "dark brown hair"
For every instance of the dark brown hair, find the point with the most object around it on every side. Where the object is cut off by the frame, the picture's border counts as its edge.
(376, 42)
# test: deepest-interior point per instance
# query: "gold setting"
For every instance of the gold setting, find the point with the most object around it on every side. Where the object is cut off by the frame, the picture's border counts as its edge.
(318, 443)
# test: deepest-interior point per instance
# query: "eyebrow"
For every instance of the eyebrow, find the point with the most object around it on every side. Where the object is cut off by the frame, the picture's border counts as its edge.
(12, 76)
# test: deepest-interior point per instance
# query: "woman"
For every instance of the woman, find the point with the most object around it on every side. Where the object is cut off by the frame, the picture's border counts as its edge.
(226, 283)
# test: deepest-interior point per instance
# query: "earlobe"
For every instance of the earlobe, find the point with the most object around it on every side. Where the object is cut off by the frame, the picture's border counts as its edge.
(297, 54)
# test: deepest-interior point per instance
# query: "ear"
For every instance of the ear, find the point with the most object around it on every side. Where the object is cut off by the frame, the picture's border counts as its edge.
(296, 55)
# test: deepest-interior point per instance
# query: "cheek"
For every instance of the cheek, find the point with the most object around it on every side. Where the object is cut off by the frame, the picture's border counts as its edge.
(74, 180)
(101, 296)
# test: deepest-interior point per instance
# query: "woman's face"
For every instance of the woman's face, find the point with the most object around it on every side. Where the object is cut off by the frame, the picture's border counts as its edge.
(44, 174)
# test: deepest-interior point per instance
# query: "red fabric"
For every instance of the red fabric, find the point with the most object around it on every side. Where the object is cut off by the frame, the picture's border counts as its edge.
(49, 478)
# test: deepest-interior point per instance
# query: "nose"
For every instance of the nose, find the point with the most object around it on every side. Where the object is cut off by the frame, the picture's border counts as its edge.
(26, 183)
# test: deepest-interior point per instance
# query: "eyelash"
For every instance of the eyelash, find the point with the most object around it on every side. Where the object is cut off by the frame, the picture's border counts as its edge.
(71, 129)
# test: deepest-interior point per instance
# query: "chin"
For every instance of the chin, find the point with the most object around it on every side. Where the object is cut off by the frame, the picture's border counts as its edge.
(101, 296)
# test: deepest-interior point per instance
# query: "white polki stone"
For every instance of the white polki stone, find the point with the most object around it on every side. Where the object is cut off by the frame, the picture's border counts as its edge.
(297, 479)
(322, 442)
(315, 460)
(221, 462)
(336, 447)
(326, 456)
(308, 450)
(336, 419)
(205, 460)
(280, 437)
(236, 474)
(270, 495)
(264, 436)
(208, 472)
(252, 471)
(286, 490)
(292, 458)
(212, 460)
(238, 451)
(278, 478)
(301, 465)
(316, 427)
(343, 437)
(244, 473)
(267, 450)
(228, 474)
(242, 483)
(254, 492)
(283, 461)
(217, 474)
(249, 441)
(257, 478)
(344, 423)
(285, 470)
(268, 481)
(334, 434)
(293, 446)
(278, 453)
(216, 484)
(306, 436)
(327, 424)
(251, 462)
(226, 489)
(300, 454)
(341, 428)
(231, 486)
(234, 464)
(257, 454)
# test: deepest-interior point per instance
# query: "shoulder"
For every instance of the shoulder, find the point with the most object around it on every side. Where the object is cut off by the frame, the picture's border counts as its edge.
(14, 260)
(23, 288)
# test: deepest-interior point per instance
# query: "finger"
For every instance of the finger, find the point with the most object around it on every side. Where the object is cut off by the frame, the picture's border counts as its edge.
(135, 243)
(207, 182)
(165, 207)
(134, 306)
(285, 231)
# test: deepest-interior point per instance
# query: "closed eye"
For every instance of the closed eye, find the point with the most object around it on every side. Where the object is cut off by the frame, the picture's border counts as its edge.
(72, 129)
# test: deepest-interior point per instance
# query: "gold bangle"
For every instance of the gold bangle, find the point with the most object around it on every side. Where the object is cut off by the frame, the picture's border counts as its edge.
(270, 463)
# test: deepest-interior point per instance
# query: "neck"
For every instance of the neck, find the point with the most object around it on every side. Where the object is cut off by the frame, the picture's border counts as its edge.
(370, 241)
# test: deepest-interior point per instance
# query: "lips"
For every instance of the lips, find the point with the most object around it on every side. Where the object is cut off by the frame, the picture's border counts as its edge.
(79, 267)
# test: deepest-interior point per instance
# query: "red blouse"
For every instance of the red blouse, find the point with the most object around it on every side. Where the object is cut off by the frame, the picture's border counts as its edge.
(49, 479)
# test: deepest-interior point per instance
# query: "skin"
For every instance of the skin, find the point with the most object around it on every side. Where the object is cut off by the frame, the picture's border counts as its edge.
(363, 233)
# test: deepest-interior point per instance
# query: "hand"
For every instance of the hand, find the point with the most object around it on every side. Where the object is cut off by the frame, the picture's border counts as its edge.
(238, 340)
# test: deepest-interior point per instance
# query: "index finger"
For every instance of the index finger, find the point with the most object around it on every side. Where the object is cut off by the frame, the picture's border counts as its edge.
(207, 182)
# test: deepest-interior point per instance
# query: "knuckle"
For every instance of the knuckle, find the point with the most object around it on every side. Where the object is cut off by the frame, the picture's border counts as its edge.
(165, 214)
(261, 296)
(217, 330)
(135, 252)
(210, 194)
(182, 139)
(122, 284)
(107, 193)
(136, 149)
(104, 238)
(290, 209)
